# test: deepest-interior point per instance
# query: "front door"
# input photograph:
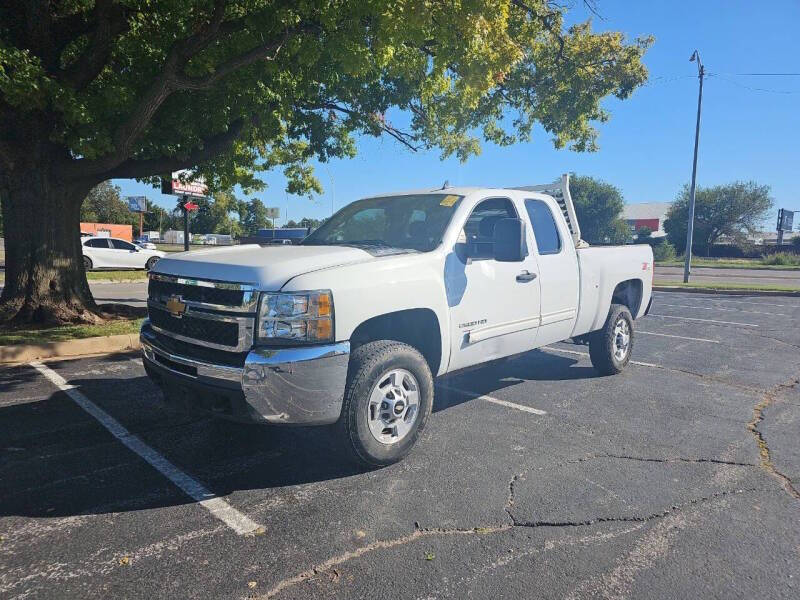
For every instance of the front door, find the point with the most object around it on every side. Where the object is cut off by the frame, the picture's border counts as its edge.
(494, 306)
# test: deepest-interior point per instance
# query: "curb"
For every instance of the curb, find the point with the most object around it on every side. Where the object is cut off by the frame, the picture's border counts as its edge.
(108, 344)
(721, 292)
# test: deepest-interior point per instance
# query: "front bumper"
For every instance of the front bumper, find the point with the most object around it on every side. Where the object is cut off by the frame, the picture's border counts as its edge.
(301, 385)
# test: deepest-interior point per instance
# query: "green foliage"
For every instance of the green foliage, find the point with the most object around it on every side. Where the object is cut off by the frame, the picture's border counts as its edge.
(598, 206)
(643, 235)
(732, 212)
(253, 216)
(664, 252)
(232, 88)
(158, 219)
(781, 258)
(104, 205)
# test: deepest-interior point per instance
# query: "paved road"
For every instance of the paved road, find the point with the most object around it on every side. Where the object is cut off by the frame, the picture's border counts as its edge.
(676, 479)
(712, 275)
(133, 293)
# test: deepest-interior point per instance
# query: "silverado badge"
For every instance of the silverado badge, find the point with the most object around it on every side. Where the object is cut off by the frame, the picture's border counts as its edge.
(175, 306)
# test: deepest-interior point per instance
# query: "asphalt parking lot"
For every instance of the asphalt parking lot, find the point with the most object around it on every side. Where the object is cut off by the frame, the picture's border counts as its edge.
(536, 478)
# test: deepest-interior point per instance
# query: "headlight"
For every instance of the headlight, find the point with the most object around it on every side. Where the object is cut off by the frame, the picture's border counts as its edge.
(296, 316)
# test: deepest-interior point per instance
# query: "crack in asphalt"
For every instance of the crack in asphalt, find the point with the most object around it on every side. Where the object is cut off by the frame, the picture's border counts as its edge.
(768, 399)
(677, 459)
(420, 532)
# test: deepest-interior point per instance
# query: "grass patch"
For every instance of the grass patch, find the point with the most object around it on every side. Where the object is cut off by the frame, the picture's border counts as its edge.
(755, 287)
(116, 276)
(68, 332)
(732, 263)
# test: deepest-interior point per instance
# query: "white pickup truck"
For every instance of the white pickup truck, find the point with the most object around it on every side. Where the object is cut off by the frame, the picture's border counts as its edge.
(351, 326)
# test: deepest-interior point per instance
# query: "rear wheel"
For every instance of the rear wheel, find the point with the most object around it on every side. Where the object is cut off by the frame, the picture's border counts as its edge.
(151, 262)
(610, 348)
(387, 402)
(87, 263)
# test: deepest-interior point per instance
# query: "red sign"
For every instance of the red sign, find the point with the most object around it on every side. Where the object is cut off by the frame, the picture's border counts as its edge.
(190, 206)
(172, 184)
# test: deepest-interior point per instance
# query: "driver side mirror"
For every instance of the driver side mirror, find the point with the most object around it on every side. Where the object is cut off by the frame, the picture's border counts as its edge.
(509, 240)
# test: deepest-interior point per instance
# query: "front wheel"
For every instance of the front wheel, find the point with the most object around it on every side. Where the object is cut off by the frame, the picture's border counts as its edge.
(387, 401)
(610, 348)
(151, 262)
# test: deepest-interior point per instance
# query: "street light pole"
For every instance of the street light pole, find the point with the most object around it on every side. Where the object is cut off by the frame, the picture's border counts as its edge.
(690, 228)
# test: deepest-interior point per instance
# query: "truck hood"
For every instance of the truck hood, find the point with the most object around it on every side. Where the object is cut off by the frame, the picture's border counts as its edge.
(267, 267)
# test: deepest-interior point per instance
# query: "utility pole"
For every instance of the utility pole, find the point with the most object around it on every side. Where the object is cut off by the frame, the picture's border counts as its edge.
(690, 229)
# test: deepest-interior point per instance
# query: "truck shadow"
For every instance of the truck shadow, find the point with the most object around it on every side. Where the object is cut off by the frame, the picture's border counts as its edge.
(57, 461)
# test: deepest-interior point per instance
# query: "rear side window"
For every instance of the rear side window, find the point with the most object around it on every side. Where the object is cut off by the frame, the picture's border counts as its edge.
(544, 227)
(97, 243)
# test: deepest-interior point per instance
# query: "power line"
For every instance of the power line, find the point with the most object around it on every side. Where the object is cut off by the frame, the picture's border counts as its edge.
(754, 89)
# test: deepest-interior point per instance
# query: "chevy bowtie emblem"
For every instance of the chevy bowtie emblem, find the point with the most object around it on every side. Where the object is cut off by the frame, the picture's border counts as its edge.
(175, 306)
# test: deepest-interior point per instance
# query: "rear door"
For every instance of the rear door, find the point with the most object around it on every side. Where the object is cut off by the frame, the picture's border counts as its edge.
(99, 250)
(494, 306)
(558, 271)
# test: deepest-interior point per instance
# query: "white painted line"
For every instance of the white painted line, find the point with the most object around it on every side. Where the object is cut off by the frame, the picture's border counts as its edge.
(240, 523)
(681, 337)
(578, 353)
(750, 312)
(714, 298)
(497, 401)
(703, 320)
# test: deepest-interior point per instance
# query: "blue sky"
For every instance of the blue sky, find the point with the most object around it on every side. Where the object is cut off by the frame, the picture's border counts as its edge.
(747, 132)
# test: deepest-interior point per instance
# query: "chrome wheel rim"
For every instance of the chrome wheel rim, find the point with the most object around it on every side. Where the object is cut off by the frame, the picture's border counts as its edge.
(393, 406)
(622, 339)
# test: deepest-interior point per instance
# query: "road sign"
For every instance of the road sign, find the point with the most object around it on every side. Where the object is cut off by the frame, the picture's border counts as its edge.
(273, 212)
(181, 183)
(785, 219)
(190, 206)
(137, 204)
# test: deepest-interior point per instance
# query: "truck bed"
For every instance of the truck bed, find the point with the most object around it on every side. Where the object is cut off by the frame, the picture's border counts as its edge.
(601, 269)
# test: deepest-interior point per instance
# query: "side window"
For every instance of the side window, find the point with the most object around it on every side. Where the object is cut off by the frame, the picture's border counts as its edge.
(479, 228)
(544, 227)
(122, 245)
(97, 243)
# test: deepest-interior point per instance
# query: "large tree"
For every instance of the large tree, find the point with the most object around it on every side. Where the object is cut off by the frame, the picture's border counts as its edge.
(104, 205)
(97, 89)
(598, 206)
(733, 211)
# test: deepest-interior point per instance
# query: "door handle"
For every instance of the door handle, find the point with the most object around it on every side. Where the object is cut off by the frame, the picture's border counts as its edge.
(526, 276)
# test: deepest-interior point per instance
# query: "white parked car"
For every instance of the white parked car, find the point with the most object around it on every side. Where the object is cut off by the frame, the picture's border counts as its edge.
(114, 253)
(350, 326)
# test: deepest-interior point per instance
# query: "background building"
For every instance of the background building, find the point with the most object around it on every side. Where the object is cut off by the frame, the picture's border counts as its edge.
(647, 214)
(115, 230)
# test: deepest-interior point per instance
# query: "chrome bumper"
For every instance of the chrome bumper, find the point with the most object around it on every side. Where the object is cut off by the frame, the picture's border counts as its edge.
(300, 385)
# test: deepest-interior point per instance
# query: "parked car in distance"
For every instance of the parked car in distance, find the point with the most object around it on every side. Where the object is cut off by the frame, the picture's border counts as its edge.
(144, 243)
(279, 242)
(350, 326)
(114, 253)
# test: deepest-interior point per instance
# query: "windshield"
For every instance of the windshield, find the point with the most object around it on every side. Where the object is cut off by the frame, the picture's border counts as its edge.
(411, 222)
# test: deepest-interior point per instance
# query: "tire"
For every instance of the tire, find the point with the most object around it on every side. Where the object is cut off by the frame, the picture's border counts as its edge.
(607, 348)
(87, 263)
(151, 262)
(377, 370)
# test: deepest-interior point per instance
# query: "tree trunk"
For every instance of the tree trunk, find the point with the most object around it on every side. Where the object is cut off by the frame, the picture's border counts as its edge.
(45, 282)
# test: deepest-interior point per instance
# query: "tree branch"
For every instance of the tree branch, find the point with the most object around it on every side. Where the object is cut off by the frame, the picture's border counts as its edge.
(110, 21)
(211, 147)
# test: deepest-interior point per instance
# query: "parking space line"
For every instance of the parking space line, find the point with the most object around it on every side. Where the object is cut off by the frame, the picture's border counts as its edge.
(578, 353)
(703, 320)
(680, 337)
(750, 312)
(713, 299)
(239, 522)
(493, 400)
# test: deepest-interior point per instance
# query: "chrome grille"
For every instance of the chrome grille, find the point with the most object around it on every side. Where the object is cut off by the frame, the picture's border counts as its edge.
(214, 314)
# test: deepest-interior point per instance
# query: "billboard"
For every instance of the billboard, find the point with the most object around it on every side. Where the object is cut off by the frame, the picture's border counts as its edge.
(785, 220)
(137, 203)
(273, 212)
(173, 185)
